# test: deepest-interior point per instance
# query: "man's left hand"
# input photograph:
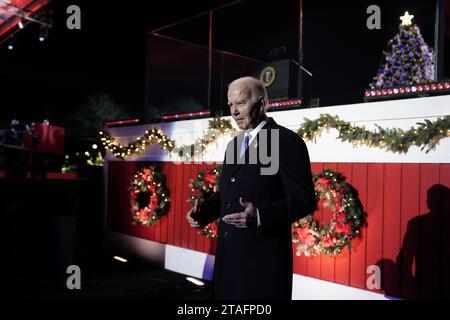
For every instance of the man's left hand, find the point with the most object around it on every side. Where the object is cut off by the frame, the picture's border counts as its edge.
(241, 219)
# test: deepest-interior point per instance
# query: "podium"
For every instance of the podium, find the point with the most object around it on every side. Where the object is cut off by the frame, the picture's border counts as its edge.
(280, 79)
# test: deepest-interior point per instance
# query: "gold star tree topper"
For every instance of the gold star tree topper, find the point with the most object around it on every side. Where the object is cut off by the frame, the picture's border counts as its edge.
(406, 19)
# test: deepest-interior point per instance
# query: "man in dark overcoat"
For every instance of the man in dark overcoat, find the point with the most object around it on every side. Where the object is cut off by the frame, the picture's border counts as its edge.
(265, 185)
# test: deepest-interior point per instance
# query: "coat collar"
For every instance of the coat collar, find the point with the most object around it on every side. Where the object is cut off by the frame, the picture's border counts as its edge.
(270, 124)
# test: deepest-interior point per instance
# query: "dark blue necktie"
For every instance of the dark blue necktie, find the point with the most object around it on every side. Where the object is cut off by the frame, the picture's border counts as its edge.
(245, 144)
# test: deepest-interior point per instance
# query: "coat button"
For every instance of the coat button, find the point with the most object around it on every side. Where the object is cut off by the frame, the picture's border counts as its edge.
(228, 205)
(233, 179)
(225, 234)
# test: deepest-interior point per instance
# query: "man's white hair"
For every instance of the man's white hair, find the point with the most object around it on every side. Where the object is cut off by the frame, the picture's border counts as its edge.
(256, 88)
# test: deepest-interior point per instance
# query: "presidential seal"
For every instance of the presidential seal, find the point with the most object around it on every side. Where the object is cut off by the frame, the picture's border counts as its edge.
(267, 76)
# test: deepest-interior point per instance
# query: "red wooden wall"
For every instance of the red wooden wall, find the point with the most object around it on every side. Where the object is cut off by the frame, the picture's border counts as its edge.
(407, 233)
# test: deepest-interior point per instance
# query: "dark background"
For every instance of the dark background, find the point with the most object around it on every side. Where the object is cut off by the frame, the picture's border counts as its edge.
(106, 62)
(53, 79)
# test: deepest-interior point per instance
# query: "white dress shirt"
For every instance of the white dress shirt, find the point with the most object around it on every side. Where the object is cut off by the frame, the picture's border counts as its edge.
(253, 133)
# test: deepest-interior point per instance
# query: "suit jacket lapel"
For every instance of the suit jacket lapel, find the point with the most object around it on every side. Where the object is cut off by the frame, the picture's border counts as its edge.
(268, 126)
(236, 166)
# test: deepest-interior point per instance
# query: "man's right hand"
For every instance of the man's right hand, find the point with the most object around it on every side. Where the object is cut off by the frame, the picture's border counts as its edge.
(191, 221)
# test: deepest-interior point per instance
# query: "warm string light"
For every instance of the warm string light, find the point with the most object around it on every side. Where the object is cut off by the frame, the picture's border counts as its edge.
(330, 240)
(156, 136)
(395, 140)
(205, 184)
(146, 178)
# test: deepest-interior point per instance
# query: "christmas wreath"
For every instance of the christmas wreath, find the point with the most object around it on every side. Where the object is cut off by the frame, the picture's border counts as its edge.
(348, 217)
(148, 196)
(202, 187)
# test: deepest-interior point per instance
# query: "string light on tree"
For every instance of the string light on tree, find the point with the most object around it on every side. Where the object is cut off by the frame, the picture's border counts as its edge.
(408, 59)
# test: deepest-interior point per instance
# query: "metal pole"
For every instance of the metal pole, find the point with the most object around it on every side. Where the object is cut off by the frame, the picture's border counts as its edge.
(439, 40)
(300, 50)
(193, 17)
(147, 81)
(210, 57)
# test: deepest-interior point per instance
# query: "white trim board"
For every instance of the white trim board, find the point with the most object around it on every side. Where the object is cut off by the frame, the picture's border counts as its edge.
(130, 247)
(307, 288)
(195, 263)
(200, 265)
(189, 262)
(404, 114)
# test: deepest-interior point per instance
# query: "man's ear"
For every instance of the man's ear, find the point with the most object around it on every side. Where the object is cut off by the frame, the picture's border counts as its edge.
(261, 102)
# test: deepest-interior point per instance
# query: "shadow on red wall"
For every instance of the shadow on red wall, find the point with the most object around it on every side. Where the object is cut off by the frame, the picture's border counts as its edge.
(421, 270)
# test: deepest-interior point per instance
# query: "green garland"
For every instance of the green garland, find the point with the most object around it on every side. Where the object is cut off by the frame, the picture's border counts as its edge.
(217, 127)
(426, 135)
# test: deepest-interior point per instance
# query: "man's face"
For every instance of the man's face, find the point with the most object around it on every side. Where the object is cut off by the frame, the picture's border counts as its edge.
(244, 110)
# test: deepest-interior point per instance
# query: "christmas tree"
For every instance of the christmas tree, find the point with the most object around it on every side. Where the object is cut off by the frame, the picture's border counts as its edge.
(408, 60)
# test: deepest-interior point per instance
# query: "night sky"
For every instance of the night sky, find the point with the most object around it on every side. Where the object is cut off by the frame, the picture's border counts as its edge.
(53, 79)
(108, 55)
